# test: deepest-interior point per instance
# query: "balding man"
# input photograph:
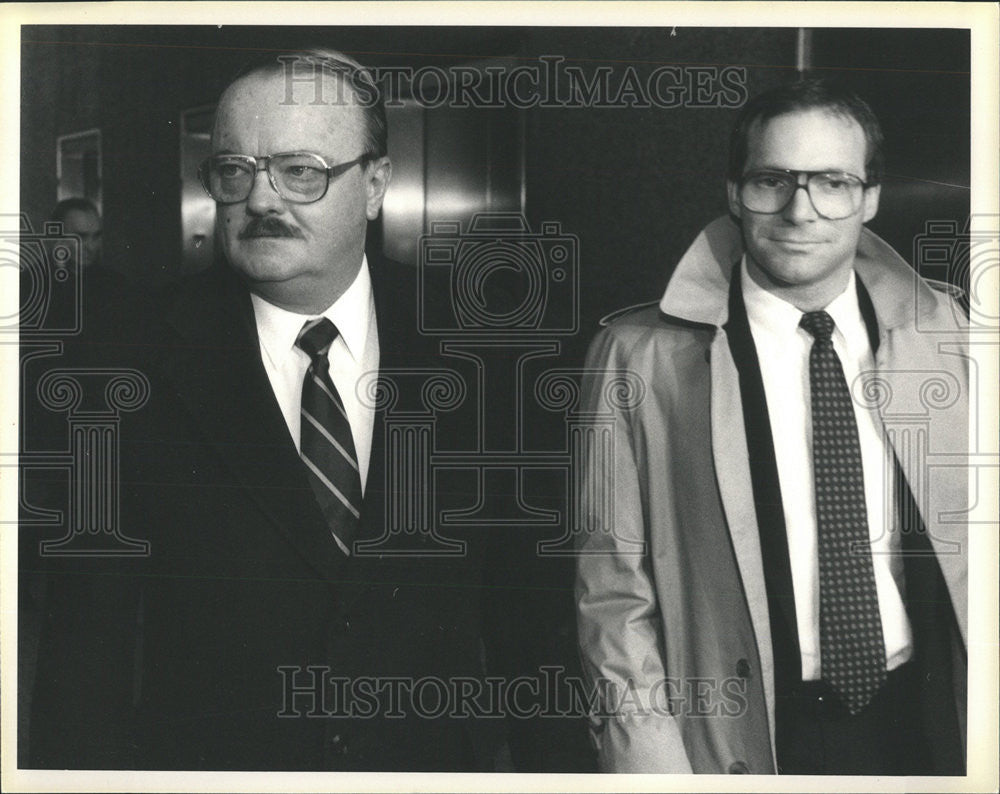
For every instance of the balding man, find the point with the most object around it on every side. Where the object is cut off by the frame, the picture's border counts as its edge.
(258, 633)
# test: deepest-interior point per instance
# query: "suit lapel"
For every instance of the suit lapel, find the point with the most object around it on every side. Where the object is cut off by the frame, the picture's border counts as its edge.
(400, 346)
(373, 510)
(213, 362)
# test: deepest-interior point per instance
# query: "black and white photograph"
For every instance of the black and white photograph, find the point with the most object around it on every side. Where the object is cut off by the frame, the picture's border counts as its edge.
(577, 396)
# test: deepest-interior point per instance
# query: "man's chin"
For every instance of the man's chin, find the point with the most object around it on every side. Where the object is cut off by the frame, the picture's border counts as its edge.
(801, 280)
(263, 268)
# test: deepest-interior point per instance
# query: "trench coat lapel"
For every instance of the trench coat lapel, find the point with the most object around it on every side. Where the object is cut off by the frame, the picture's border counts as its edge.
(698, 291)
(940, 490)
(920, 388)
(732, 466)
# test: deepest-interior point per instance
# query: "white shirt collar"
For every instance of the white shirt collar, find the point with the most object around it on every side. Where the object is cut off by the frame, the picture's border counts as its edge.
(278, 328)
(773, 315)
(765, 310)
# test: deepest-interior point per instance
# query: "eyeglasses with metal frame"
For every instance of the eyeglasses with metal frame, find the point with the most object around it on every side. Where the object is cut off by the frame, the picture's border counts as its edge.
(298, 177)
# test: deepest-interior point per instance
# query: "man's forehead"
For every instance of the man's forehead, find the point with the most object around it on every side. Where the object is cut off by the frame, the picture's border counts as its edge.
(268, 101)
(314, 91)
(815, 133)
(818, 117)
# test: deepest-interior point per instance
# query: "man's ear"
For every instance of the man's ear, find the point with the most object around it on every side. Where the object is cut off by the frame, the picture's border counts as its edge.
(870, 202)
(377, 176)
(733, 194)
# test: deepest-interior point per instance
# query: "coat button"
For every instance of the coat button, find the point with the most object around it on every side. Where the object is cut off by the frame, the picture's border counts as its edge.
(339, 745)
(739, 768)
(743, 668)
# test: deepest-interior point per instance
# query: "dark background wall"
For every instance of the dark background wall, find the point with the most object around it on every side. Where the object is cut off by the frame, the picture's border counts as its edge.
(634, 184)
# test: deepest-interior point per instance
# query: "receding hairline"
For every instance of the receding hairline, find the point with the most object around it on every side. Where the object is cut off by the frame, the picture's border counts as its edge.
(265, 73)
(819, 94)
(824, 110)
(364, 91)
(277, 69)
(832, 111)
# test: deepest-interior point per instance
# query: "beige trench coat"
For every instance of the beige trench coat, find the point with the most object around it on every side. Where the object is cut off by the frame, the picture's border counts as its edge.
(673, 614)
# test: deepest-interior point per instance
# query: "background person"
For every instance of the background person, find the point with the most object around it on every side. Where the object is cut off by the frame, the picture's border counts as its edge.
(79, 217)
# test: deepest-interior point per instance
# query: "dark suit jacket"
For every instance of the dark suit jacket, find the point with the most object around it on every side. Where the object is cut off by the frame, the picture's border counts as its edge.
(194, 657)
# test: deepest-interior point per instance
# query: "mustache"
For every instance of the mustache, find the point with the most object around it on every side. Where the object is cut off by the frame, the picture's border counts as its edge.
(268, 227)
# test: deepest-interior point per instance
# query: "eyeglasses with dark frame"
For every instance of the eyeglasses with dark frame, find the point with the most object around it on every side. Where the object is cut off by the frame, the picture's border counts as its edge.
(298, 177)
(835, 195)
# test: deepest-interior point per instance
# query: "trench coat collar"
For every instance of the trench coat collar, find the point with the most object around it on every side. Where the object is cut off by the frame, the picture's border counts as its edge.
(698, 290)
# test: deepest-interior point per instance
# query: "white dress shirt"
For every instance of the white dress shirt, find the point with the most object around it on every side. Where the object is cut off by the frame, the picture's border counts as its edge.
(783, 350)
(353, 353)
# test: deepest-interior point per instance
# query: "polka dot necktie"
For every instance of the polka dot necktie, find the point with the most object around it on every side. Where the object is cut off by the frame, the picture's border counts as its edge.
(327, 445)
(852, 650)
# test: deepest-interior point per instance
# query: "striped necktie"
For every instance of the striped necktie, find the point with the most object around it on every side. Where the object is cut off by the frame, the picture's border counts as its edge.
(327, 446)
(852, 651)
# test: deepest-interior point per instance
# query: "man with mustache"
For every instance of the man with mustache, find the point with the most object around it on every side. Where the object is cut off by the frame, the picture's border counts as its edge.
(772, 581)
(277, 622)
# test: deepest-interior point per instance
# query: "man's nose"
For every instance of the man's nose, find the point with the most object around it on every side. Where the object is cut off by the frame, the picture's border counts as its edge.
(800, 208)
(263, 198)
